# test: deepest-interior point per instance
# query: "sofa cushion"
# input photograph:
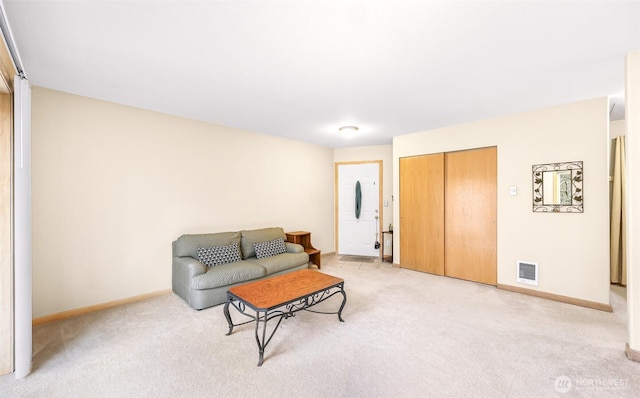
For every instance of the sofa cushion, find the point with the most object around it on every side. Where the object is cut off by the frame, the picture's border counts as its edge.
(249, 237)
(227, 274)
(270, 248)
(216, 255)
(187, 245)
(280, 262)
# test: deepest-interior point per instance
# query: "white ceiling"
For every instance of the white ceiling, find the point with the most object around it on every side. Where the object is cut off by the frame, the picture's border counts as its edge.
(302, 69)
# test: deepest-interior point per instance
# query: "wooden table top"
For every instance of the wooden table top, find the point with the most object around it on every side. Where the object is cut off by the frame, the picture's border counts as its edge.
(279, 290)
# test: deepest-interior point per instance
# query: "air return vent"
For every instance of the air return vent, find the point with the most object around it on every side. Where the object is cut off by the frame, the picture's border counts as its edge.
(527, 273)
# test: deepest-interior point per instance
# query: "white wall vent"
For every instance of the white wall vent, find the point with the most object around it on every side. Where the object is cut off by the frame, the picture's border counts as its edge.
(527, 273)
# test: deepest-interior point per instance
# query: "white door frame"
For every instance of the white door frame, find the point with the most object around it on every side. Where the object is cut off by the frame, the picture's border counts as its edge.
(337, 202)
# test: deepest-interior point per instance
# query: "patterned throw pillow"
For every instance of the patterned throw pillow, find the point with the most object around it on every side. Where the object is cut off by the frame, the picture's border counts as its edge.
(217, 255)
(270, 248)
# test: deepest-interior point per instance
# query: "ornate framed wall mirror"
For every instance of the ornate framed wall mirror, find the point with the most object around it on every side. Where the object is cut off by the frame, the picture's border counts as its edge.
(557, 187)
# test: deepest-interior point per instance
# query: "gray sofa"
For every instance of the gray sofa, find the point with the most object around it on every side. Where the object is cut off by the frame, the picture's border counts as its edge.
(204, 286)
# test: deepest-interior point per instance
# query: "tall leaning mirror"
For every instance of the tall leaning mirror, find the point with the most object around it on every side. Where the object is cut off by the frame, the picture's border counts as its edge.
(557, 187)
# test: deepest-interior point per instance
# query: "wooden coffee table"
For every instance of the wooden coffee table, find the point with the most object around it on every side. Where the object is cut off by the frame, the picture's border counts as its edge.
(281, 297)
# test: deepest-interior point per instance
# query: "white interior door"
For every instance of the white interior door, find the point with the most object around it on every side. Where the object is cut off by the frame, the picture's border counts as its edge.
(357, 236)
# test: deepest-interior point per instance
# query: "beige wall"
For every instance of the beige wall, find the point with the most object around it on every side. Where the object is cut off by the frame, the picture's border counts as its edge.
(368, 153)
(572, 249)
(114, 185)
(632, 128)
(617, 128)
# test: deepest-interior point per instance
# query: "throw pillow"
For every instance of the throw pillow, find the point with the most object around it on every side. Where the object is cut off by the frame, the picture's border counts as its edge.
(217, 255)
(270, 248)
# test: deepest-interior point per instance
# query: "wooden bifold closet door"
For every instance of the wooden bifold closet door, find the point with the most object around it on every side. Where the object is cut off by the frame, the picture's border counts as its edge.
(470, 215)
(448, 214)
(422, 213)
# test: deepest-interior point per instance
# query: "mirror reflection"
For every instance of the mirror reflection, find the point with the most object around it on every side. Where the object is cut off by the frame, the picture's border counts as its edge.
(557, 187)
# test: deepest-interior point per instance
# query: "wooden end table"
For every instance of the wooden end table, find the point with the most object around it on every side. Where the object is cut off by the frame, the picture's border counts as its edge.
(304, 238)
(281, 297)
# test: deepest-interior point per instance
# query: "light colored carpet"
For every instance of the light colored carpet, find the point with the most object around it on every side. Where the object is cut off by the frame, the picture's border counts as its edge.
(406, 334)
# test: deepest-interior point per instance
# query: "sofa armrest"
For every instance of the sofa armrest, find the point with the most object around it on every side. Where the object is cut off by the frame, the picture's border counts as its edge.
(189, 265)
(184, 269)
(294, 247)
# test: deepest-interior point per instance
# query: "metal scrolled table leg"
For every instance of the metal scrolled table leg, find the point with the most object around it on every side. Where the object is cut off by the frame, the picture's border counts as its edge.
(263, 344)
(228, 315)
(344, 301)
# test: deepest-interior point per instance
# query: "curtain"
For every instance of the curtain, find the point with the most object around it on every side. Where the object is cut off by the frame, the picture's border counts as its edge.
(618, 215)
(22, 227)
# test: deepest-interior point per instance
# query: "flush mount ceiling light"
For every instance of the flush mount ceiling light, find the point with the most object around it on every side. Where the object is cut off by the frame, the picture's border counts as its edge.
(348, 129)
